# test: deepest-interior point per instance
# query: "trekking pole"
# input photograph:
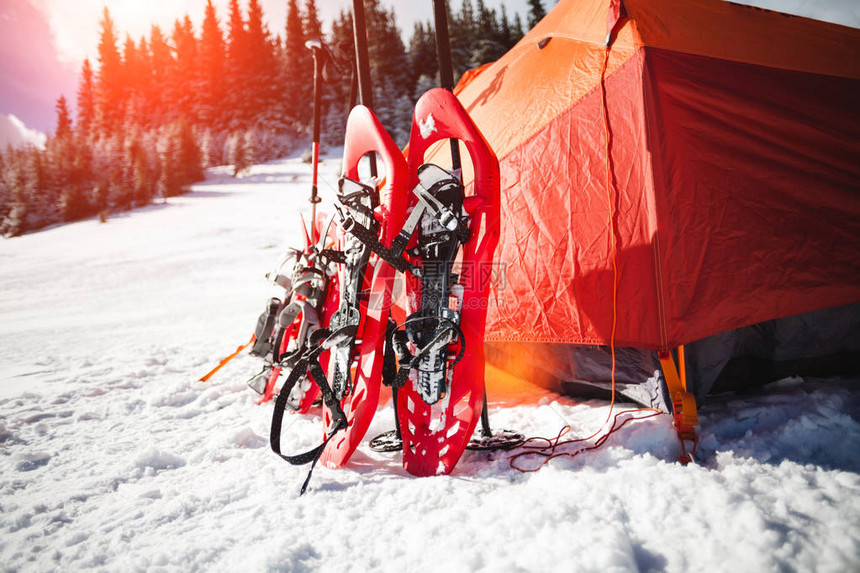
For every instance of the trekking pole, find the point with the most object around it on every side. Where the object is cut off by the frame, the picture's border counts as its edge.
(316, 48)
(446, 66)
(365, 97)
(365, 88)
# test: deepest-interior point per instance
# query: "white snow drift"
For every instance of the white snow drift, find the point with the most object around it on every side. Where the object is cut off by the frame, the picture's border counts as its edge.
(114, 458)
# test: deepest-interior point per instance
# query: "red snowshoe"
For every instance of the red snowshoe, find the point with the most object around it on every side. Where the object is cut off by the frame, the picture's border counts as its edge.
(440, 345)
(366, 281)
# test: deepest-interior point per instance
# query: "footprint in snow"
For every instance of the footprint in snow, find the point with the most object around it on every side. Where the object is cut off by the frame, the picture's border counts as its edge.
(158, 460)
(27, 462)
(246, 438)
(6, 435)
(38, 418)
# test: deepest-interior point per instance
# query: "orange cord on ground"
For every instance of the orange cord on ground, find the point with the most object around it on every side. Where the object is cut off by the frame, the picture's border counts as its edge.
(227, 359)
(549, 451)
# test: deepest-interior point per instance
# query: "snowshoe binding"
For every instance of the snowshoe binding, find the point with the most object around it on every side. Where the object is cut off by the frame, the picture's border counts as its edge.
(284, 329)
(440, 345)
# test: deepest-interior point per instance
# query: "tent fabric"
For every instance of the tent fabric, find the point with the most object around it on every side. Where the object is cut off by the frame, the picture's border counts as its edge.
(821, 343)
(735, 166)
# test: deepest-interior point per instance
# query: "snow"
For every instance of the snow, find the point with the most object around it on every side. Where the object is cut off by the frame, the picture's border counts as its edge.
(114, 458)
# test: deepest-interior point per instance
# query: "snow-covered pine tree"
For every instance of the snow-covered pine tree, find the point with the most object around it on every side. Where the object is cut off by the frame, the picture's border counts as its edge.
(422, 52)
(168, 177)
(388, 63)
(298, 65)
(487, 47)
(5, 190)
(236, 155)
(185, 72)
(75, 201)
(252, 148)
(211, 64)
(163, 90)
(86, 101)
(261, 91)
(463, 33)
(505, 33)
(15, 221)
(129, 75)
(338, 94)
(402, 119)
(111, 173)
(236, 71)
(109, 93)
(424, 84)
(123, 186)
(311, 21)
(536, 12)
(139, 111)
(142, 184)
(137, 82)
(61, 158)
(189, 166)
(64, 119)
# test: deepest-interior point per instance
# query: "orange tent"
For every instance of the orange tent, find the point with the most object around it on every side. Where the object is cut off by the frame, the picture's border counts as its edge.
(718, 143)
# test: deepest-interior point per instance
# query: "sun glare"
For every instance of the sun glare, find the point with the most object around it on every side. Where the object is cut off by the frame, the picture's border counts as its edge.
(76, 24)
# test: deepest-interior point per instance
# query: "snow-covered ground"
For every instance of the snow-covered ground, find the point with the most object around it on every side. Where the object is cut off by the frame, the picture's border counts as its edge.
(115, 458)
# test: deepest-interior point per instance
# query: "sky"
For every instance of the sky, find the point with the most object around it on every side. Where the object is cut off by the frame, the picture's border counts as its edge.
(44, 42)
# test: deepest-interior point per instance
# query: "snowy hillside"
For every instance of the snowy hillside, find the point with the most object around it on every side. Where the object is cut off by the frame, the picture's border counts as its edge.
(113, 457)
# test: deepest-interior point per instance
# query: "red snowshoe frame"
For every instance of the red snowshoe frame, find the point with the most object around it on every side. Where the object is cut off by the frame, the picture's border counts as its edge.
(365, 134)
(434, 437)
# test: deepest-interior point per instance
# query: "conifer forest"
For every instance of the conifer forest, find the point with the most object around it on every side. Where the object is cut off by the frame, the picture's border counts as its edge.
(151, 113)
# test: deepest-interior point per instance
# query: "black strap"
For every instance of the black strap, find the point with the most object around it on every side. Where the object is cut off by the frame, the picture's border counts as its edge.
(369, 238)
(276, 345)
(299, 370)
(362, 200)
(389, 358)
(309, 363)
(333, 256)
